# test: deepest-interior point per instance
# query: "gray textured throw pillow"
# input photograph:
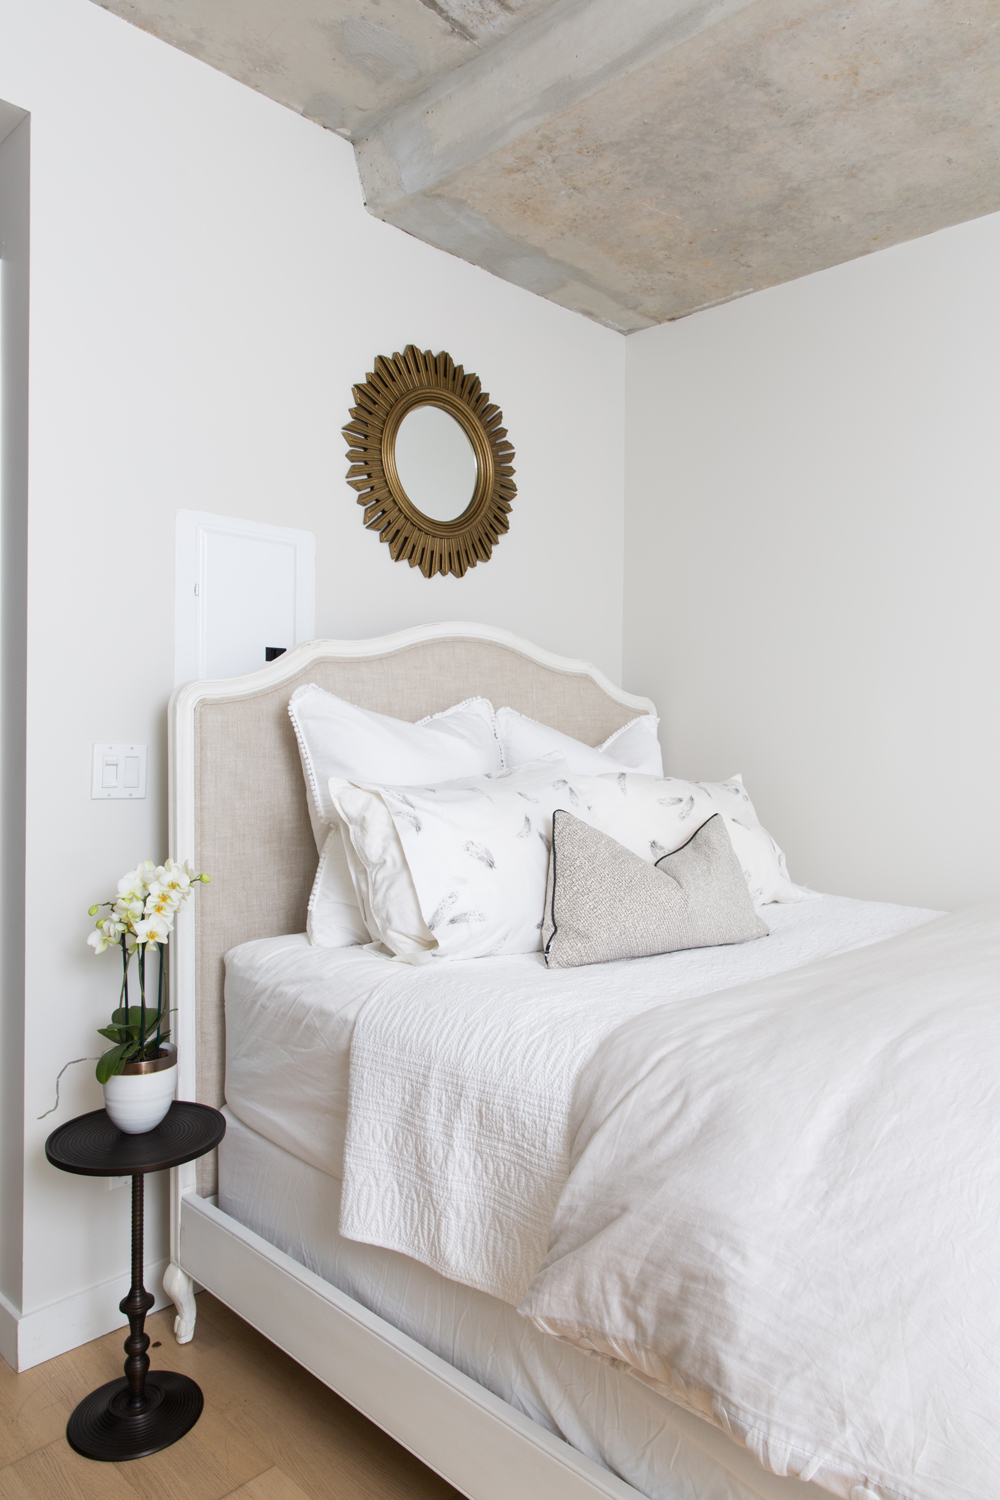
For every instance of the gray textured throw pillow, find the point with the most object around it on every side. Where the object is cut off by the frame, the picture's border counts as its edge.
(603, 902)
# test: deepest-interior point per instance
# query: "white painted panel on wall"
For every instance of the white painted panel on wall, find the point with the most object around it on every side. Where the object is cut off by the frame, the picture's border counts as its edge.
(242, 589)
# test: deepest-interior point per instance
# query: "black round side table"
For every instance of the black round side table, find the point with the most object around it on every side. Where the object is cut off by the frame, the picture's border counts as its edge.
(137, 1414)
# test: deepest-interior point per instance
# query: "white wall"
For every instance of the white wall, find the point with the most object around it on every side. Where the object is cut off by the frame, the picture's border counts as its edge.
(206, 287)
(14, 279)
(811, 561)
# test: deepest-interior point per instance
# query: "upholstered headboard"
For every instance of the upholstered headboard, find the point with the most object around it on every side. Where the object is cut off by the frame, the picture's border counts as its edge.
(238, 803)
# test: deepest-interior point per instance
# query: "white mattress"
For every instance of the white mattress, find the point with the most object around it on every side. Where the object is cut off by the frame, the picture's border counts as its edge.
(290, 1013)
(663, 1451)
(291, 1008)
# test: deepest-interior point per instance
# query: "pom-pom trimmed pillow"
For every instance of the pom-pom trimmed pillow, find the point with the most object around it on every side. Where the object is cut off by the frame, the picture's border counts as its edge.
(333, 918)
(604, 903)
(634, 747)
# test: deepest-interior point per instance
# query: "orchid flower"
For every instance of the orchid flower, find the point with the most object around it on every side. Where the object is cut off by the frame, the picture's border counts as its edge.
(177, 880)
(150, 931)
(132, 886)
(107, 933)
(160, 904)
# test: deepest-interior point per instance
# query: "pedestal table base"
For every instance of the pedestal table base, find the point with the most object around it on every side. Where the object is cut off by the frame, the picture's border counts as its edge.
(139, 1413)
(105, 1427)
(145, 1410)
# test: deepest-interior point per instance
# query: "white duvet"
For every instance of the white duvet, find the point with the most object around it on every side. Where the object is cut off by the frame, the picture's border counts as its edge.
(780, 1203)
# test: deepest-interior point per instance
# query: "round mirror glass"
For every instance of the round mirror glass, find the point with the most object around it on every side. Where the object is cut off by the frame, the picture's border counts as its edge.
(435, 462)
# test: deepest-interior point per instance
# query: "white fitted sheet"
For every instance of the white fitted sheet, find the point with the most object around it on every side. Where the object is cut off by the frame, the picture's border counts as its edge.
(291, 1007)
(290, 1013)
(664, 1452)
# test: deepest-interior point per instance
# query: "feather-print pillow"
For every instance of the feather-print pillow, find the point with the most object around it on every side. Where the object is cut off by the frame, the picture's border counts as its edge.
(477, 853)
(379, 872)
(654, 815)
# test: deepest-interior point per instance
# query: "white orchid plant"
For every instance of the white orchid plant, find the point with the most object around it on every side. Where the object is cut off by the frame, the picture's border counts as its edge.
(139, 918)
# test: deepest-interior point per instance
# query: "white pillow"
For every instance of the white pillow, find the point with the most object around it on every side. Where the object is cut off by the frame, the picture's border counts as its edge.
(470, 859)
(634, 747)
(337, 738)
(334, 919)
(653, 816)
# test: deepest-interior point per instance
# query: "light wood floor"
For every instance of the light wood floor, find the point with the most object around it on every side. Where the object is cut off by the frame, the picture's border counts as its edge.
(269, 1431)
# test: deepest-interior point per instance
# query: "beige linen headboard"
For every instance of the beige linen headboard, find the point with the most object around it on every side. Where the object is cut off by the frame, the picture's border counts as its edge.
(238, 803)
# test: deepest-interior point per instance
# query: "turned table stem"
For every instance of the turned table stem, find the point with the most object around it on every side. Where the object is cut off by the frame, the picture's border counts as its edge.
(136, 1305)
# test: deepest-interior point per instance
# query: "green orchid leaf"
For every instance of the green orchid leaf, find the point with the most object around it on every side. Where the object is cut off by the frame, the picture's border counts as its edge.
(111, 1062)
(134, 1026)
(127, 1032)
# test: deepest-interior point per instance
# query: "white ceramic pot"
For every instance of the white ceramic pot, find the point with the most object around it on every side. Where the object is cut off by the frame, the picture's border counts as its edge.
(138, 1098)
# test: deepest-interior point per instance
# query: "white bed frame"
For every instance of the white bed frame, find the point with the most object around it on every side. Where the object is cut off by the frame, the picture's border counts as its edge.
(474, 1440)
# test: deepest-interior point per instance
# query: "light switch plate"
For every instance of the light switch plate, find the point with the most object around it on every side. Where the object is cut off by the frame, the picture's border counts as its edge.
(118, 771)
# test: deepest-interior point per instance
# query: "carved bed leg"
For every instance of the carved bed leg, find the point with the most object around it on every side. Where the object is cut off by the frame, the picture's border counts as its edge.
(179, 1287)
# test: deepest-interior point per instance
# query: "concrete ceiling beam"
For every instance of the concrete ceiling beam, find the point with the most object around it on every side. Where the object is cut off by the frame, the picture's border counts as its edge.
(564, 54)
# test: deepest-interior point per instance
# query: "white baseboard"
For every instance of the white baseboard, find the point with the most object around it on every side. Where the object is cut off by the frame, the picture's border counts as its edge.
(8, 1331)
(28, 1339)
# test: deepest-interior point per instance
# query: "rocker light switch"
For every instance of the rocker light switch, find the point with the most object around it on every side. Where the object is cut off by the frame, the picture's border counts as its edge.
(119, 771)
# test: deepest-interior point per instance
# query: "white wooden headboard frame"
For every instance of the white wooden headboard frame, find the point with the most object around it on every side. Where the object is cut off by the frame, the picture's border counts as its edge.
(238, 811)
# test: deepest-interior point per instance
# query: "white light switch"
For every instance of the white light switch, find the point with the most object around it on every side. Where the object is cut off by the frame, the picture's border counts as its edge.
(119, 771)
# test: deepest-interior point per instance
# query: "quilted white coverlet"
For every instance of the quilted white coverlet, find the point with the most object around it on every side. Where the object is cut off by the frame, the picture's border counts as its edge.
(779, 1203)
(462, 1079)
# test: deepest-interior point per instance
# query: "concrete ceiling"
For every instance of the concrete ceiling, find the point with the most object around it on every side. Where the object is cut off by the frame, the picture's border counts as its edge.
(635, 160)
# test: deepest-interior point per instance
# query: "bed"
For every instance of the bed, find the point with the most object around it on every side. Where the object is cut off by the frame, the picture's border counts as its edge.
(430, 1345)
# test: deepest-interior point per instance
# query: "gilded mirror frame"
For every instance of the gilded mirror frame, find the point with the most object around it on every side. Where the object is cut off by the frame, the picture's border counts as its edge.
(394, 388)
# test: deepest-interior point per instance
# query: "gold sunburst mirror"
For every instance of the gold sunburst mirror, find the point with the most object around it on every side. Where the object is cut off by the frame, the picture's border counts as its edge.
(431, 462)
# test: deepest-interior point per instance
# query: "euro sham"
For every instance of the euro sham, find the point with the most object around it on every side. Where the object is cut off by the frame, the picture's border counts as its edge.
(634, 747)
